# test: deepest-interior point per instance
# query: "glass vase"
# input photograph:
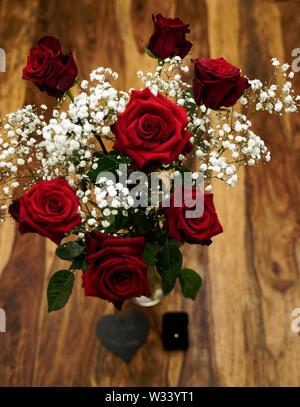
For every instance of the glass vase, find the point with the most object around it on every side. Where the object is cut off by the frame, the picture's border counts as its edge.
(155, 288)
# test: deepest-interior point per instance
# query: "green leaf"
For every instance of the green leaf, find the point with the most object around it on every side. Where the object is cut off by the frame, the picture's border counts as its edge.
(150, 253)
(169, 264)
(70, 95)
(69, 251)
(190, 283)
(77, 262)
(85, 266)
(107, 163)
(189, 92)
(175, 242)
(149, 53)
(117, 222)
(199, 133)
(76, 82)
(59, 289)
(141, 223)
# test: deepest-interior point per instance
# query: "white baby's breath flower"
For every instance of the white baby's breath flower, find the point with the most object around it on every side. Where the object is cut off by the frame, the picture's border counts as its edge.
(275, 62)
(278, 106)
(84, 84)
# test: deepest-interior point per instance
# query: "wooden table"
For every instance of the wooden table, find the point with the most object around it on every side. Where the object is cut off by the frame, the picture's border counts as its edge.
(240, 323)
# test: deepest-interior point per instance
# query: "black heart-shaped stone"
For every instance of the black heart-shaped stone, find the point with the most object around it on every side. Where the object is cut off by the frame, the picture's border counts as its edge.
(123, 335)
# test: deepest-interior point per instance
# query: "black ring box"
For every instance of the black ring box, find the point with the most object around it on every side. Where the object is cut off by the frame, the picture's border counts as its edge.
(174, 331)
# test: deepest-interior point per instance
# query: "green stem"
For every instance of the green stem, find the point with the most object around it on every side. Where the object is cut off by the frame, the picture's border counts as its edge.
(11, 179)
(235, 162)
(30, 170)
(101, 143)
(69, 93)
(221, 152)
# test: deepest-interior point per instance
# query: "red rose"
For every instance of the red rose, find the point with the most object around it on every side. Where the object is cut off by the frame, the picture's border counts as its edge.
(217, 83)
(151, 130)
(49, 69)
(49, 208)
(168, 39)
(117, 269)
(192, 230)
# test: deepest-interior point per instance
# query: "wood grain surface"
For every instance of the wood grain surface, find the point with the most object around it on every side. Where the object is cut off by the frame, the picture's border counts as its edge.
(240, 332)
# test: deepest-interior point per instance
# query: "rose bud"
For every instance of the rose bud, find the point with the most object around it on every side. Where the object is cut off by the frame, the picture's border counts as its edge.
(49, 208)
(168, 39)
(117, 269)
(49, 69)
(217, 83)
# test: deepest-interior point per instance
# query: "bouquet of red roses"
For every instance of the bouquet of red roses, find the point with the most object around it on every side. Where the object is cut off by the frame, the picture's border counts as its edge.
(132, 208)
